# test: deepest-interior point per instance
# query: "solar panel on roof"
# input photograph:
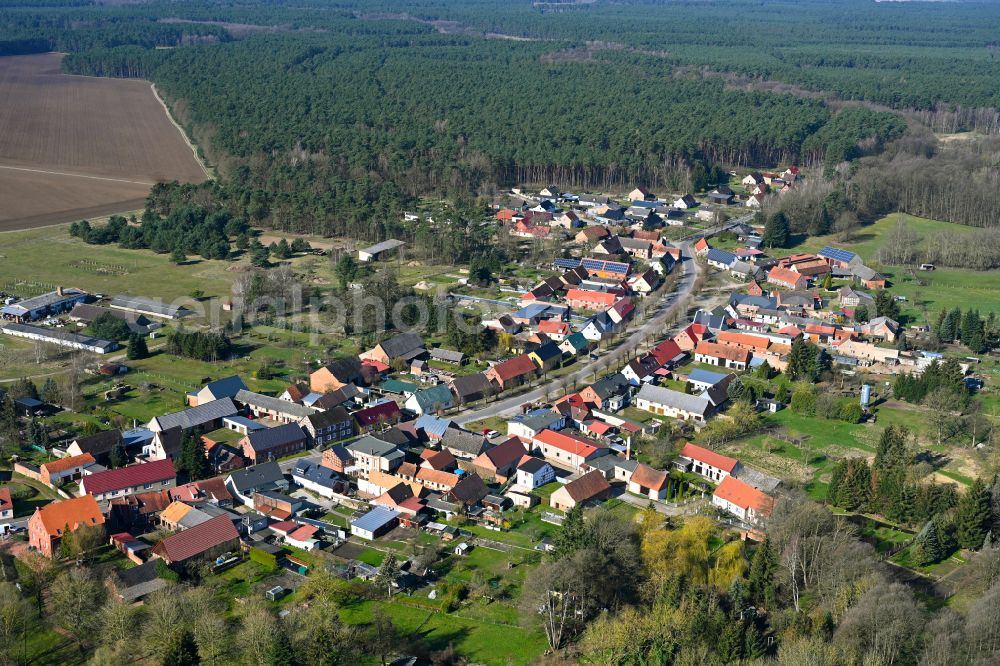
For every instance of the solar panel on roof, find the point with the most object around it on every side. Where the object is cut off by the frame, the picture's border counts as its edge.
(837, 253)
(566, 263)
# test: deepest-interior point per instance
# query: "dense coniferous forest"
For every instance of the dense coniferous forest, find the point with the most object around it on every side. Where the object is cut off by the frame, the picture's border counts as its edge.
(333, 117)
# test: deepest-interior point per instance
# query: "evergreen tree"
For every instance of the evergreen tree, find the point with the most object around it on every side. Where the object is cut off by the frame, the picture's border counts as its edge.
(861, 314)
(183, 650)
(761, 577)
(754, 643)
(927, 545)
(281, 653)
(828, 282)
(573, 535)
(974, 516)
(736, 390)
(854, 489)
(388, 574)
(118, 457)
(806, 361)
(50, 393)
(192, 460)
(177, 255)
(776, 231)
(282, 250)
(137, 348)
(886, 305)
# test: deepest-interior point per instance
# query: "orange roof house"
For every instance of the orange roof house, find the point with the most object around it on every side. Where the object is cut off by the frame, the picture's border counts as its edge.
(744, 340)
(722, 355)
(47, 526)
(512, 372)
(784, 277)
(70, 467)
(707, 463)
(585, 299)
(742, 500)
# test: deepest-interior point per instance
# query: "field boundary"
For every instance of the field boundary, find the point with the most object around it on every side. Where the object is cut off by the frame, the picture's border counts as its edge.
(76, 175)
(170, 117)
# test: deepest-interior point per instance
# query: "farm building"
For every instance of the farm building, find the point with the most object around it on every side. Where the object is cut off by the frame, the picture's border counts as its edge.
(375, 523)
(61, 338)
(149, 306)
(36, 307)
(379, 250)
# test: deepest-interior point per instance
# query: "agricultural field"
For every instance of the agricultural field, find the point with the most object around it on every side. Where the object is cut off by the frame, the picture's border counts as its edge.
(930, 291)
(74, 146)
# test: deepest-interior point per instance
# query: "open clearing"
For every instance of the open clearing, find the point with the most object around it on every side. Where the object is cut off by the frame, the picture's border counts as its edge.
(74, 146)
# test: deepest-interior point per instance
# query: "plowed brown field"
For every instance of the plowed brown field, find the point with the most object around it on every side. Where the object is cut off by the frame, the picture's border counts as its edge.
(75, 146)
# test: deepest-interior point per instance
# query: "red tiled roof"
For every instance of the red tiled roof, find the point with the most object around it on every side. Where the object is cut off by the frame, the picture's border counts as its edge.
(784, 276)
(600, 298)
(599, 427)
(743, 495)
(737, 354)
(514, 367)
(588, 486)
(665, 351)
(502, 455)
(717, 460)
(745, 340)
(6, 503)
(197, 540)
(73, 512)
(304, 533)
(550, 326)
(568, 443)
(128, 477)
(69, 462)
(647, 477)
(370, 415)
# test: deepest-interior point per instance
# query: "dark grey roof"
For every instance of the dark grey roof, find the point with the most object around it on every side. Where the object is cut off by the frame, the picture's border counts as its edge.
(227, 387)
(345, 369)
(532, 465)
(269, 438)
(59, 336)
(539, 420)
(371, 446)
(463, 440)
(329, 417)
(469, 385)
(664, 396)
(151, 306)
(448, 355)
(256, 476)
(196, 416)
(610, 385)
(313, 472)
(757, 479)
(100, 443)
(273, 404)
(402, 345)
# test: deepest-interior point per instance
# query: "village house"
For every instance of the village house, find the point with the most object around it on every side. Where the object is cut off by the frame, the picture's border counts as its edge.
(372, 454)
(98, 445)
(668, 402)
(720, 259)
(724, 356)
(431, 400)
(462, 443)
(470, 387)
(203, 541)
(512, 372)
(685, 201)
(530, 424)
(46, 525)
(405, 346)
(165, 445)
(706, 463)
(640, 370)
(273, 443)
(589, 487)
(648, 482)
(269, 407)
(337, 458)
(375, 523)
(106, 485)
(742, 500)
(6, 504)
(227, 387)
(66, 469)
(789, 279)
(377, 417)
(547, 356)
(244, 483)
(500, 462)
(566, 450)
(202, 418)
(319, 479)
(533, 473)
(585, 299)
(332, 425)
(868, 354)
(336, 375)
(839, 258)
(610, 392)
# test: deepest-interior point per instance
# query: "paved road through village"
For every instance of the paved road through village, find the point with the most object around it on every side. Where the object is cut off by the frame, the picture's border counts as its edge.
(652, 327)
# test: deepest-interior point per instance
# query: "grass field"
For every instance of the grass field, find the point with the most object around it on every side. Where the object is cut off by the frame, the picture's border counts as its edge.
(944, 287)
